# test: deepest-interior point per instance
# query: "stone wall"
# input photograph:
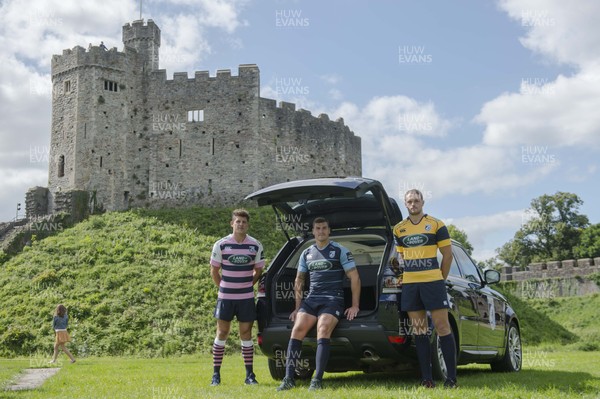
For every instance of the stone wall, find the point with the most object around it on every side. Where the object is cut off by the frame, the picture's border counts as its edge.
(36, 202)
(122, 130)
(552, 269)
(553, 278)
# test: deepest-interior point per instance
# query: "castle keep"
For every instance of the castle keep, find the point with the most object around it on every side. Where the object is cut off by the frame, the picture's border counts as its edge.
(129, 137)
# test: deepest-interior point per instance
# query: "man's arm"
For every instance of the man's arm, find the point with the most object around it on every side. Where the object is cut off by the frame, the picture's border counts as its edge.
(256, 274)
(351, 312)
(446, 260)
(216, 275)
(259, 264)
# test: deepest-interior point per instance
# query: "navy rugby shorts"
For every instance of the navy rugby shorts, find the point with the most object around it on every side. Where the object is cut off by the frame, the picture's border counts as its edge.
(424, 296)
(243, 309)
(316, 307)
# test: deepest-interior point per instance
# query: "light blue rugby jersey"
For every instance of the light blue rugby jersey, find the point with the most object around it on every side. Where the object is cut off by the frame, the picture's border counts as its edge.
(326, 268)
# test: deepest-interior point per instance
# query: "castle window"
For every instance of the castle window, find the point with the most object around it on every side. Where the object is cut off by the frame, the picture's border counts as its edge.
(67, 86)
(180, 148)
(100, 161)
(212, 147)
(61, 166)
(196, 115)
(110, 85)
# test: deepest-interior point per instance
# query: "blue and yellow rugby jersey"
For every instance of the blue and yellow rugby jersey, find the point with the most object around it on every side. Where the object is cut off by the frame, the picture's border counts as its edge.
(418, 244)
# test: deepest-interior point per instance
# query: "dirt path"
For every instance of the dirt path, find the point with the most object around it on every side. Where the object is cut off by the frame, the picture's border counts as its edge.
(32, 378)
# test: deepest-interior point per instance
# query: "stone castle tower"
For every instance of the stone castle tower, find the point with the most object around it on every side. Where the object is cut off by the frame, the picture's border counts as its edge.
(129, 137)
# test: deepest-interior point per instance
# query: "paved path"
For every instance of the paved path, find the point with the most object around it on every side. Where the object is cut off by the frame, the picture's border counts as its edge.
(32, 378)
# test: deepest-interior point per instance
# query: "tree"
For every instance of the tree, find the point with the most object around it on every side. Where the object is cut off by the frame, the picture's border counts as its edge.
(589, 243)
(491, 263)
(551, 229)
(460, 236)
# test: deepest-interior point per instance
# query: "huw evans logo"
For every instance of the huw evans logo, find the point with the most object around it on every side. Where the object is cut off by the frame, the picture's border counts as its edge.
(414, 240)
(239, 259)
(319, 265)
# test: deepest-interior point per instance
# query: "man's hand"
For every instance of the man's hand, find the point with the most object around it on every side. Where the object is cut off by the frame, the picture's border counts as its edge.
(293, 315)
(351, 312)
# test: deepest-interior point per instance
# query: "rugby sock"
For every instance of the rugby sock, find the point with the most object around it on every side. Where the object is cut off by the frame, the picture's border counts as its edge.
(322, 356)
(424, 355)
(448, 347)
(293, 356)
(218, 350)
(248, 355)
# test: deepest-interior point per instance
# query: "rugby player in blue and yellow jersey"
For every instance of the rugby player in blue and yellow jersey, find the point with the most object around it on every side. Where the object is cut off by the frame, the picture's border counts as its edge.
(326, 262)
(418, 239)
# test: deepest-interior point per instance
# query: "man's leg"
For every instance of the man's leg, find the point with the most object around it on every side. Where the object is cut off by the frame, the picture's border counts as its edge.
(223, 327)
(303, 323)
(325, 327)
(447, 343)
(418, 323)
(247, 346)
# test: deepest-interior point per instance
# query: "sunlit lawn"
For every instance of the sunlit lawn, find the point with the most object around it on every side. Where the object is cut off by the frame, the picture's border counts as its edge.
(558, 375)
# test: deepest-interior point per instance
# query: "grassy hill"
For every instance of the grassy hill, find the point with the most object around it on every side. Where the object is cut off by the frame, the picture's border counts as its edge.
(138, 283)
(134, 282)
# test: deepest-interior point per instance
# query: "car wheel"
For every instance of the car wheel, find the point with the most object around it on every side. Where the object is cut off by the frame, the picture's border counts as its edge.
(513, 354)
(438, 365)
(277, 370)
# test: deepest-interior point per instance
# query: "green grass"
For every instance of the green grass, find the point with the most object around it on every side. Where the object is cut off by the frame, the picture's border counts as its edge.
(552, 375)
(537, 326)
(579, 315)
(135, 283)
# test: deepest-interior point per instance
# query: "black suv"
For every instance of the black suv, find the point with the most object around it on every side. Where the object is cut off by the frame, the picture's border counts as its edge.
(361, 217)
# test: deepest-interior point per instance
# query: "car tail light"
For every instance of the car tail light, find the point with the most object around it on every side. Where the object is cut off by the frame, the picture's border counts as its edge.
(259, 340)
(396, 339)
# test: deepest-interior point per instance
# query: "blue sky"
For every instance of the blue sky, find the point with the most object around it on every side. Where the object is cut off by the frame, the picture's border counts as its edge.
(484, 105)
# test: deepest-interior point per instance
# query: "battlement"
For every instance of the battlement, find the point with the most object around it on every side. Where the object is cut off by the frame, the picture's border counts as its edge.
(290, 108)
(245, 71)
(549, 269)
(78, 56)
(138, 31)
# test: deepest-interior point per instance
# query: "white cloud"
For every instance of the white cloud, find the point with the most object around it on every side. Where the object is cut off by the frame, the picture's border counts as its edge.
(481, 230)
(564, 31)
(332, 78)
(222, 14)
(336, 94)
(562, 112)
(176, 55)
(396, 115)
(402, 158)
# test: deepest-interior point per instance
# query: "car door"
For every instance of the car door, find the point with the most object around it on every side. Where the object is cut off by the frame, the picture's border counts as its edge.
(491, 329)
(467, 314)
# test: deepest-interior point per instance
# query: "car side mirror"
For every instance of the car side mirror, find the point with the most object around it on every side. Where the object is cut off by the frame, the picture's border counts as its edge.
(491, 276)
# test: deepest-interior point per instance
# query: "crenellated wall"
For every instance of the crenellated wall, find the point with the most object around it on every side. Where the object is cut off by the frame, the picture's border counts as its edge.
(551, 269)
(553, 278)
(123, 131)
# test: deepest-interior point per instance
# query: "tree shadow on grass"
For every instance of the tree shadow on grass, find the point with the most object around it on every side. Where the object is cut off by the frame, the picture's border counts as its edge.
(534, 381)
